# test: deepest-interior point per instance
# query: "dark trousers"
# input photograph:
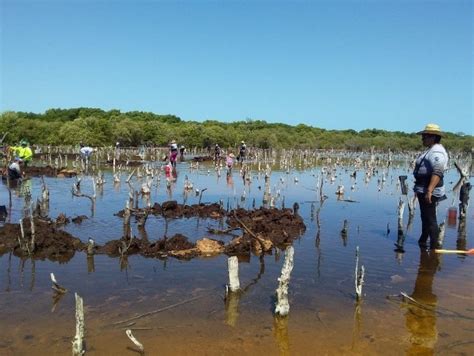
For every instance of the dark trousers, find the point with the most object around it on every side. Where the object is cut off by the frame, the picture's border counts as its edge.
(429, 223)
(12, 174)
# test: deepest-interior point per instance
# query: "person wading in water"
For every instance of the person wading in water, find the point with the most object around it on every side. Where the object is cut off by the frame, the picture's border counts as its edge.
(429, 186)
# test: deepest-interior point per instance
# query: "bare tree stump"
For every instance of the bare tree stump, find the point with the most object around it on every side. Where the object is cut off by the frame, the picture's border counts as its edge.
(78, 343)
(283, 306)
(233, 265)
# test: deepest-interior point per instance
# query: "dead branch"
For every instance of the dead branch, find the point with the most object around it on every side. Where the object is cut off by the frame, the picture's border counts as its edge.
(221, 232)
(260, 240)
(159, 310)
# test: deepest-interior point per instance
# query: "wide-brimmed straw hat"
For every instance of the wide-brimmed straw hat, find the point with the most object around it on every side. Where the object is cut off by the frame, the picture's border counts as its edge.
(431, 129)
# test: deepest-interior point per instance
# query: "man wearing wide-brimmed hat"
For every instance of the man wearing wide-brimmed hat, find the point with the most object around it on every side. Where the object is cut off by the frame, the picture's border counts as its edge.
(429, 185)
(242, 151)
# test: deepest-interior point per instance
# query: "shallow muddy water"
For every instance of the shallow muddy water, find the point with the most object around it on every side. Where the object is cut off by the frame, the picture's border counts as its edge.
(324, 317)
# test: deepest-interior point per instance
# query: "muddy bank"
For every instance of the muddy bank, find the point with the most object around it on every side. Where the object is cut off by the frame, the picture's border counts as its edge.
(255, 231)
(50, 242)
(176, 246)
(280, 226)
(49, 171)
(46, 171)
(172, 210)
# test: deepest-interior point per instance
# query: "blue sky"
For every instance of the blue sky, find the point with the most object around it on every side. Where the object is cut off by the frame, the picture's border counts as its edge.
(393, 65)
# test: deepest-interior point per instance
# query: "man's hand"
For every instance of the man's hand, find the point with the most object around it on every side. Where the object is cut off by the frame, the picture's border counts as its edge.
(428, 196)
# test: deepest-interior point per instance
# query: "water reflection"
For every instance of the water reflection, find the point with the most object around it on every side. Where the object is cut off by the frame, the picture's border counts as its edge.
(356, 331)
(232, 299)
(420, 318)
(461, 241)
(90, 263)
(280, 332)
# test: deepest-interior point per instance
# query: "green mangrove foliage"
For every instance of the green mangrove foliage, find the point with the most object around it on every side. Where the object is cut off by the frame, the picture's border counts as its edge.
(103, 128)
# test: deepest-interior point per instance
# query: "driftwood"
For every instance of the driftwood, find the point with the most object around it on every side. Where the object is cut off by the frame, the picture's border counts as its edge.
(77, 193)
(438, 310)
(56, 287)
(200, 194)
(264, 244)
(159, 310)
(221, 232)
(135, 341)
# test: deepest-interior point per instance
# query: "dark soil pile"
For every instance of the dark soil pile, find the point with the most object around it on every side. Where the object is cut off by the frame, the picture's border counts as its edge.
(160, 248)
(261, 231)
(171, 209)
(48, 171)
(280, 226)
(50, 242)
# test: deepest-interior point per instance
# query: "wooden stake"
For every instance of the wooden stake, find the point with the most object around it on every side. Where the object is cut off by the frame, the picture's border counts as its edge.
(283, 306)
(359, 276)
(78, 343)
(233, 265)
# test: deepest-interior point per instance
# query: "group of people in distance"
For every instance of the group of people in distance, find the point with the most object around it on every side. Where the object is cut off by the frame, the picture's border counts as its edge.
(428, 173)
(229, 159)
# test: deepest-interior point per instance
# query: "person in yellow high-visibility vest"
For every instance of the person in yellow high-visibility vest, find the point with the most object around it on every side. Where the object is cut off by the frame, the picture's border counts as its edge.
(23, 152)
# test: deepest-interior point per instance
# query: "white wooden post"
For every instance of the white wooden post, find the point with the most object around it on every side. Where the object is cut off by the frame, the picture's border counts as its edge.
(234, 283)
(78, 343)
(283, 307)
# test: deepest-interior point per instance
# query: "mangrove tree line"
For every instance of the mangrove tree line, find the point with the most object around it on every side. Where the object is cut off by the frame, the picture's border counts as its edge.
(97, 127)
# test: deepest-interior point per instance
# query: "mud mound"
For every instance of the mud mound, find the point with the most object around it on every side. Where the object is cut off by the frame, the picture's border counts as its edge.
(49, 171)
(171, 209)
(177, 246)
(262, 230)
(50, 242)
(177, 242)
(280, 226)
